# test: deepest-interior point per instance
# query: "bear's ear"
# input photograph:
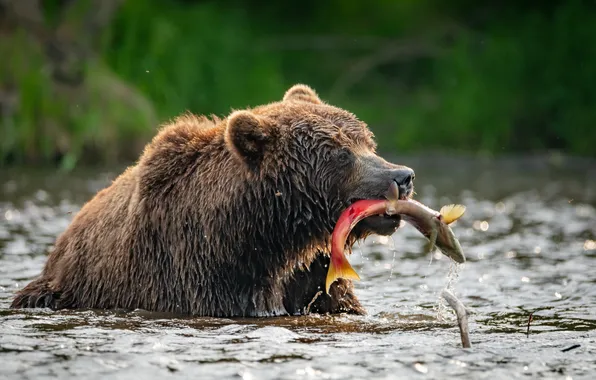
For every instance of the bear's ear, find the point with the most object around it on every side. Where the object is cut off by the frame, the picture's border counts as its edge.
(248, 136)
(302, 92)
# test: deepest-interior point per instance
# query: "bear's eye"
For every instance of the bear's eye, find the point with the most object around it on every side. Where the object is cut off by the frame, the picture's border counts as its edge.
(344, 156)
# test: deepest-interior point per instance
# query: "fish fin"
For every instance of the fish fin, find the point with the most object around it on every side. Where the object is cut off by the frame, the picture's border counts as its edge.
(344, 270)
(433, 240)
(451, 213)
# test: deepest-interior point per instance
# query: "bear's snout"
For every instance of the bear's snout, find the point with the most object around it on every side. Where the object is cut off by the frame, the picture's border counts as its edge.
(404, 178)
(375, 176)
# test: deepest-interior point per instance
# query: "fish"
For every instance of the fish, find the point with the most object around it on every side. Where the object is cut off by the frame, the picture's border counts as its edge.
(434, 225)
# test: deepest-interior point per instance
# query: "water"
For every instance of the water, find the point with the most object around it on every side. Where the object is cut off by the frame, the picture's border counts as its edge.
(529, 234)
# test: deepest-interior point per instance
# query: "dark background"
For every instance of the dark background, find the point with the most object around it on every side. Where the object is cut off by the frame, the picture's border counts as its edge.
(89, 81)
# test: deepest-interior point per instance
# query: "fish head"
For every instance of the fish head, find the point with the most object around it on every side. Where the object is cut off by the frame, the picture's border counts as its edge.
(448, 243)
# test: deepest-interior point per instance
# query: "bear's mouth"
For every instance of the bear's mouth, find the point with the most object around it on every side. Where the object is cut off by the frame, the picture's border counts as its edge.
(381, 224)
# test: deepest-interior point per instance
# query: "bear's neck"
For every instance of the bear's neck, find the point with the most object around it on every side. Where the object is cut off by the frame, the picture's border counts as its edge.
(245, 238)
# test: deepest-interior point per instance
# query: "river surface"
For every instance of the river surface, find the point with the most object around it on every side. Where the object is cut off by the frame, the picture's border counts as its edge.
(529, 234)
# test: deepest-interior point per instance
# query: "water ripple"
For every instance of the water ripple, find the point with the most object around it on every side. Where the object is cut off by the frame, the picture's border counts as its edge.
(529, 234)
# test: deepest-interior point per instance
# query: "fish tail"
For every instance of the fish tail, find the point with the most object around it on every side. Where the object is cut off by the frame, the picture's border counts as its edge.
(451, 213)
(343, 269)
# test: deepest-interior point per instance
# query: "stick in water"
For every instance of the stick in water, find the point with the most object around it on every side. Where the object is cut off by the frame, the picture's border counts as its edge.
(530, 318)
(462, 317)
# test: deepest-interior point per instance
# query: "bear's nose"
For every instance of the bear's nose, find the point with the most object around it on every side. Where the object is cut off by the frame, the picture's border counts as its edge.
(405, 182)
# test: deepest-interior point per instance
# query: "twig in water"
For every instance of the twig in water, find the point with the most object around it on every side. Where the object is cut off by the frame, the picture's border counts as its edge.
(462, 317)
(530, 318)
(571, 348)
(307, 308)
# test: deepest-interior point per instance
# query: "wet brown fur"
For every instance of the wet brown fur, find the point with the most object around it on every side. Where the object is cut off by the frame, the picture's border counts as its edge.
(219, 217)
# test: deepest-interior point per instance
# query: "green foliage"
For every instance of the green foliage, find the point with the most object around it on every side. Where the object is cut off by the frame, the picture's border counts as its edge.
(524, 84)
(423, 74)
(197, 58)
(98, 122)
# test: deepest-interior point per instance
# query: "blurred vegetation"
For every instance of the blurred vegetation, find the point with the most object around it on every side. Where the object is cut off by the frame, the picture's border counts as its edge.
(426, 75)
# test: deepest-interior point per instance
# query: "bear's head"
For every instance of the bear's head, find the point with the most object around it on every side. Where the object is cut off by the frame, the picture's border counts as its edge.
(306, 161)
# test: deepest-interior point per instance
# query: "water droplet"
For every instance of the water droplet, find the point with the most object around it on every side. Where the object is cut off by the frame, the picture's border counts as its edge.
(458, 363)
(500, 207)
(480, 225)
(589, 245)
(525, 279)
(558, 295)
(537, 250)
(510, 254)
(421, 368)
(8, 215)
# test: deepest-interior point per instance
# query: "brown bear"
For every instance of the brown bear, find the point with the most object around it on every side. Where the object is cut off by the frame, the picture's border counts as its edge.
(225, 217)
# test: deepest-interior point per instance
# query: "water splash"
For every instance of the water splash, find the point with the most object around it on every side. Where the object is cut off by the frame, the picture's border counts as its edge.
(432, 254)
(360, 250)
(393, 260)
(441, 308)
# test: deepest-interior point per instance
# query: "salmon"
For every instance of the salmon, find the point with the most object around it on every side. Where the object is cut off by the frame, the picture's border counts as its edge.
(434, 225)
